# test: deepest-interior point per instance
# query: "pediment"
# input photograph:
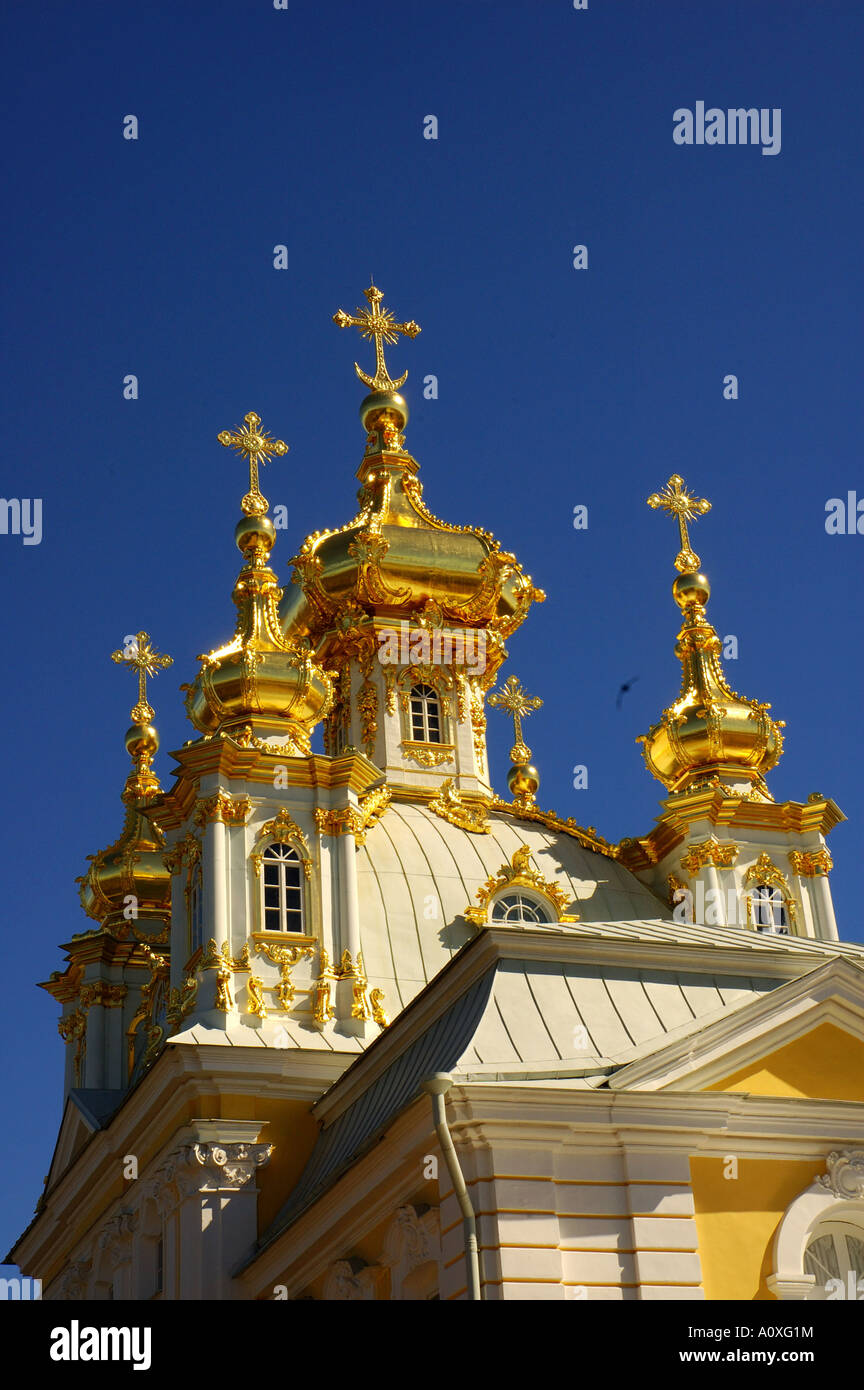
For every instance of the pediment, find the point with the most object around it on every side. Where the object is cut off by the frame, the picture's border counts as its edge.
(85, 1113)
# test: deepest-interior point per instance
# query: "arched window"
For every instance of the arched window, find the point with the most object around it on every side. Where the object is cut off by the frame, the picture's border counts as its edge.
(283, 888)
(425, 715)
(835, 1251)
(519, 907)
(769, 910)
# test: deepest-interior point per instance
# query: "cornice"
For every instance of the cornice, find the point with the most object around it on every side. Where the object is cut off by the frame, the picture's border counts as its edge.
(100, 949)
(252, 766)
(691, 1122)
(719, 808)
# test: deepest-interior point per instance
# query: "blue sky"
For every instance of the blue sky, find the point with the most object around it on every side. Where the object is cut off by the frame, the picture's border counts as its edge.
(557, 387)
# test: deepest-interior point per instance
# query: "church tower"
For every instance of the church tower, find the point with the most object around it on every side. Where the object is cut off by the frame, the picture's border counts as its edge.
(115, 973)
(723, 851)
(411, 612)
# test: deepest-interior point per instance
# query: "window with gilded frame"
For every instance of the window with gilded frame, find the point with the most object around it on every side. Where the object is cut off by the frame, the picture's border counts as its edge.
(283, 907)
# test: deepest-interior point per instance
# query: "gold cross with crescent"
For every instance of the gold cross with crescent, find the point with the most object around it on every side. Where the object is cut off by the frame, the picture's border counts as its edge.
(676, 500)
(513, 698)
(378, 324)
(257, 445)
(146, 661)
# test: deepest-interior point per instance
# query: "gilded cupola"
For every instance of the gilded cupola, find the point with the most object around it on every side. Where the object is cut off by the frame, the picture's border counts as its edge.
(396, 560)
(127, 884)
(262, 686)
(710, 734)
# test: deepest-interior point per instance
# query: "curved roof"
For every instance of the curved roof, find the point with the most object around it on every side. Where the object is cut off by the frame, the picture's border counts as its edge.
(417, 874)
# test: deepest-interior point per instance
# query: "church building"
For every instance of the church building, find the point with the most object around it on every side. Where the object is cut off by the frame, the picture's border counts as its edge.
(354, 1025)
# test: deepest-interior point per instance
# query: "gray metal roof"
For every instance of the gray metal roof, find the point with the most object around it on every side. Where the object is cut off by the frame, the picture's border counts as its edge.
(357, 1127)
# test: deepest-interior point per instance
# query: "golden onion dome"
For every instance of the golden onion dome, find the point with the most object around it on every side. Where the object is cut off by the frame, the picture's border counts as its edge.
(711, 733)
(262, 685)
(396, 560)
(127, 888)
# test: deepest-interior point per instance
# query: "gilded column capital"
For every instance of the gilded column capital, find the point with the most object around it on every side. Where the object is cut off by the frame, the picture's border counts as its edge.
(100, 992)
(354, 820)
(810, 863)
(721, 853)
(231, 810)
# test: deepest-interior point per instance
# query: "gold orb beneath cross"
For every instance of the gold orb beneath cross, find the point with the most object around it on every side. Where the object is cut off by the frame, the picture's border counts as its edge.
(141, 739)
(523, 779)
(691, 588)
(374, 405)
(255, 533)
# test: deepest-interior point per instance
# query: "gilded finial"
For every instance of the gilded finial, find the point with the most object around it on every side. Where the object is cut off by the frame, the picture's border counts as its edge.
(676, 500)
(522, 779)
(377, 324)
(144, 659)
(256, 445)
(142, 740)
(710, 736)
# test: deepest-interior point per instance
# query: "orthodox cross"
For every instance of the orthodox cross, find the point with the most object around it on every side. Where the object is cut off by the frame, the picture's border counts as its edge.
(513, 698)
(681, 504)
(257, 445)
(139, 654)
(378, 324)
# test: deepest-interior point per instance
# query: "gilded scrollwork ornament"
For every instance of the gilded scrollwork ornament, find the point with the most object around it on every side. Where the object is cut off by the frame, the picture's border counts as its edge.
(322, 1008)
(519, 874)
(255, 992)
(468, 815)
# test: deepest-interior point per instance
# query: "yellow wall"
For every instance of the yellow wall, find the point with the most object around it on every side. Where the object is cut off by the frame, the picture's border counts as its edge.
(826, 1063)
(737, 1218)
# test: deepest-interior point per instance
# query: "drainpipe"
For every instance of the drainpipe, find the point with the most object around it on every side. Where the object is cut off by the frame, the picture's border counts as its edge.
(437, 1087)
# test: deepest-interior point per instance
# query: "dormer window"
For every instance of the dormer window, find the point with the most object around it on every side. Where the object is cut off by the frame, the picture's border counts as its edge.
(283, 888)
(425, 709)
(516, 908)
